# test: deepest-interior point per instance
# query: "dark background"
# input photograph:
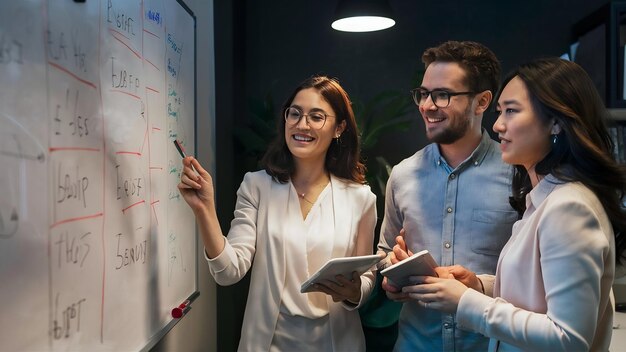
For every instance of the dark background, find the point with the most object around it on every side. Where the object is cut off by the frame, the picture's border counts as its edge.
(267, 47)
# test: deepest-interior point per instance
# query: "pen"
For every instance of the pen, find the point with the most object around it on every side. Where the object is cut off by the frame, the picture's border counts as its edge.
(180, 148)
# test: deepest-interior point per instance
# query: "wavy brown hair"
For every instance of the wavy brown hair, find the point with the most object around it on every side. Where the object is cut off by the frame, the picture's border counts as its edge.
(562, 90)
(343, 157)
(481, 65)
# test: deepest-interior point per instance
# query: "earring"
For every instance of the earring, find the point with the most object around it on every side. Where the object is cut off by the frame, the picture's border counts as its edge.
(555, 138)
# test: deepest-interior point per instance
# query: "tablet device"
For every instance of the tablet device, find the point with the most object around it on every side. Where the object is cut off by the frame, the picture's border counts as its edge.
(419, 264)
(341, 266)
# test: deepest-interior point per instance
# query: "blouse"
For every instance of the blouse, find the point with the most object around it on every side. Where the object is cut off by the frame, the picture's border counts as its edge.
(554, 276)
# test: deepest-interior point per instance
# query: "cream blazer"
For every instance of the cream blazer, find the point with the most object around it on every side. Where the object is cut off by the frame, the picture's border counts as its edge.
(254, 236)
(554, 277)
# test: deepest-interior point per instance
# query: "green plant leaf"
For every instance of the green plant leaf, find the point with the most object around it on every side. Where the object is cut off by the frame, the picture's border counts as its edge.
(385, 165)
(399, 124)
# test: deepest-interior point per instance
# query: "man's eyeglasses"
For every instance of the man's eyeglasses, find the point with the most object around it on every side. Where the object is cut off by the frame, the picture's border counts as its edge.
(440, 97)
(315, 119)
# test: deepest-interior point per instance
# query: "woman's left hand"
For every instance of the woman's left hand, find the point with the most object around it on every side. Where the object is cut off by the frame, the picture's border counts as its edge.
(342, 289)
(442, 294)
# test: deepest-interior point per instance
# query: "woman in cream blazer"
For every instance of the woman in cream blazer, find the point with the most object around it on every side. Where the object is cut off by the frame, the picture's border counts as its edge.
(308, 205)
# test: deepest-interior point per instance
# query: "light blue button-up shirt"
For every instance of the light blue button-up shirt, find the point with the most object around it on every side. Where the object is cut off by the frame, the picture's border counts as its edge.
(461, 216)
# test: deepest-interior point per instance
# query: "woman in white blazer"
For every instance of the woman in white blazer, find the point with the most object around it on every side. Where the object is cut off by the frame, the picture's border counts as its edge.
(308, 205)
(553, 281)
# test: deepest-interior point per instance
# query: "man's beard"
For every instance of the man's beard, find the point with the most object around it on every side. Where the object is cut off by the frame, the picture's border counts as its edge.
(454, 132)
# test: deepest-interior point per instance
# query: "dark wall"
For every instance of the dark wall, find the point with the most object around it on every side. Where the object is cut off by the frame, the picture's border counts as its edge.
(287, 41)
(270, 46)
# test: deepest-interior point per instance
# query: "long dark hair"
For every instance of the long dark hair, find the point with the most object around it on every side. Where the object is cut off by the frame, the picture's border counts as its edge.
(563, 91)
(343, 158)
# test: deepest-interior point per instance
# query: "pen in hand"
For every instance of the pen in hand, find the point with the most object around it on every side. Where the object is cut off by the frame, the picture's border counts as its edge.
(180, 148)
(182, 153)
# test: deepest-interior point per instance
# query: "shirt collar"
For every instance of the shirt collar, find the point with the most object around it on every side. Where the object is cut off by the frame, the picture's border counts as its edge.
(476, 158)
(539, 193)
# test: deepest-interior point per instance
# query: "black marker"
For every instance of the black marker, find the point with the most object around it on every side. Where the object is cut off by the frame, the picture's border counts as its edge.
(180, 148)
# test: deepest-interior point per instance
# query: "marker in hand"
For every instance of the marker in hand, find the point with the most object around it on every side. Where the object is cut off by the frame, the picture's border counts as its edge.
(180, 148)
(181, 310)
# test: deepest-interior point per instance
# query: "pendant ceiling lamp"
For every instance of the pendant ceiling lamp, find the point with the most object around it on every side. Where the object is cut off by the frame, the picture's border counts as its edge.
(362, 16)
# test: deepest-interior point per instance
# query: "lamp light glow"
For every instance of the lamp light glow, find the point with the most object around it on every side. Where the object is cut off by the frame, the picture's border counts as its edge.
(362, 16)
(363, 24)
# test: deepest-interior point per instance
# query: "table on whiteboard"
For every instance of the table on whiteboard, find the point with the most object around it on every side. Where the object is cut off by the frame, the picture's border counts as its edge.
(96, 244)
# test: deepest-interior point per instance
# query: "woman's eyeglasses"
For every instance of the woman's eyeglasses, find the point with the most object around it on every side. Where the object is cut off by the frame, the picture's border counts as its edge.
(315, 119)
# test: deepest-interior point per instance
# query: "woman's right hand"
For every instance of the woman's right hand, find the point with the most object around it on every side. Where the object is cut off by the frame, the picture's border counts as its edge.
(196, 186)
(462, 274)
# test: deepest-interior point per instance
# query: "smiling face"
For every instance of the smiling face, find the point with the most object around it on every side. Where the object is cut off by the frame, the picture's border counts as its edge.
(524, 138)
(449, 124)
(305, 142)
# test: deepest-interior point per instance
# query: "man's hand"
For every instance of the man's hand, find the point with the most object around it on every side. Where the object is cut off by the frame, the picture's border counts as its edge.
(400, 250)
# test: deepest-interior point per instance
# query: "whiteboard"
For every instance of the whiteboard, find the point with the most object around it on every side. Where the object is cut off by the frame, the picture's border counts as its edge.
(96, 244)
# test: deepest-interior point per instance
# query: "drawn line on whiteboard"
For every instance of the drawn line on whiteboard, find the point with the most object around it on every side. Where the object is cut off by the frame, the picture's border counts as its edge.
(153, 65)
(127, 93)
(114, 32)
(156, 128)
(152, 89)
(61, 68)
(59, 149)
(142, 45)
(156, 218)
(180, 58)
(40, 157)
(76, 219)
(132, 205)
(145, 139)
(125, 152)
(147, 31)
(33, 150)
(156, 168)
(10, 229)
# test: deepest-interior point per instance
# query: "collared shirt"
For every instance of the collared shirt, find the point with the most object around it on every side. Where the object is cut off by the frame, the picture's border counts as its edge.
(461, 216)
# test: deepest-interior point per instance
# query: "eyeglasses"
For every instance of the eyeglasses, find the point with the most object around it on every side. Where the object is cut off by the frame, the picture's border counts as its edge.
(440, 97)
(315, 119)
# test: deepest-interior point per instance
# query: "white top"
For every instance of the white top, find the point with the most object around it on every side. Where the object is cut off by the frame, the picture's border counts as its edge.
(314, 235)
(554, 277)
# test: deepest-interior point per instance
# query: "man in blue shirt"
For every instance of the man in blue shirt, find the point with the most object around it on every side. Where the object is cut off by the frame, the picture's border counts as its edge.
(452, 196)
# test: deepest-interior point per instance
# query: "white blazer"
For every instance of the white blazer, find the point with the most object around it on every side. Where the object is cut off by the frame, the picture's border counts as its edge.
(254, 236)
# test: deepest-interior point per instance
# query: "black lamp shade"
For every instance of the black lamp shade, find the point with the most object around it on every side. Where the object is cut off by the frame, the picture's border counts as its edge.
(353, 8)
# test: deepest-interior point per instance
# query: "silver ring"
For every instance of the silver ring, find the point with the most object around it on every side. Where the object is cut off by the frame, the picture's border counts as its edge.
(425, 304)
